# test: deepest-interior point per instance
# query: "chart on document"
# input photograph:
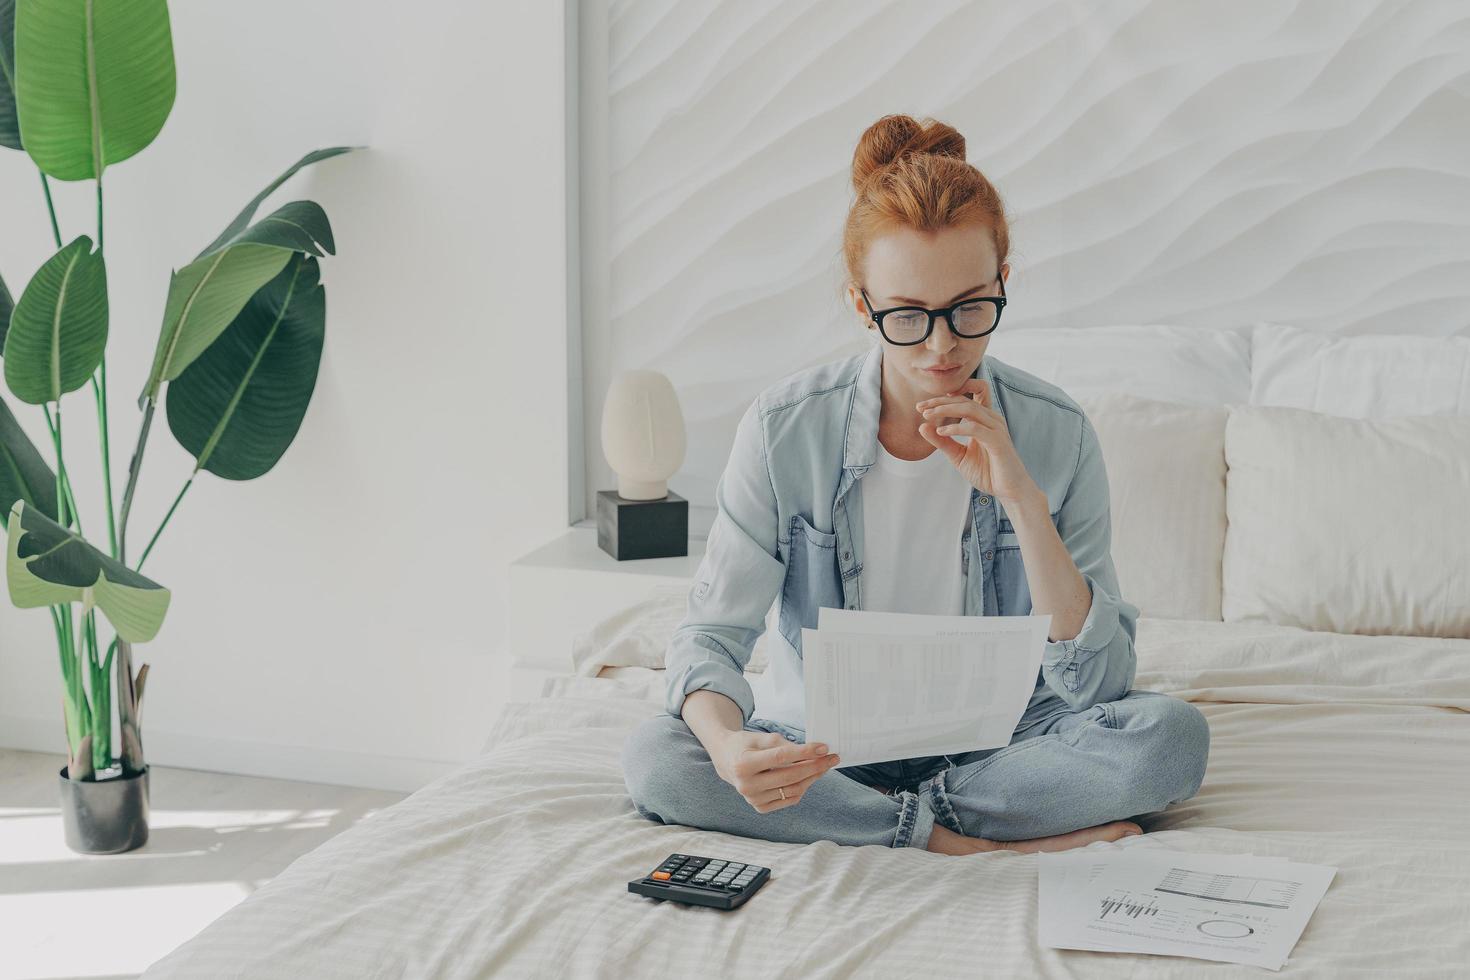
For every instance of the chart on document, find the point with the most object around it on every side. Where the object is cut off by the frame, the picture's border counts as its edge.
(1151, 899)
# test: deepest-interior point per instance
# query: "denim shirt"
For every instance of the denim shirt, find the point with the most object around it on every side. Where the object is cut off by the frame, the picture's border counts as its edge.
(789, 524)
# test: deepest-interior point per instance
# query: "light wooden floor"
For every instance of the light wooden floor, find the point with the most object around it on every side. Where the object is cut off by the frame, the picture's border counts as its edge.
(213, 839)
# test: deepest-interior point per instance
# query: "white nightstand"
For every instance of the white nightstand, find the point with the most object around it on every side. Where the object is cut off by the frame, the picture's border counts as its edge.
(567, 585)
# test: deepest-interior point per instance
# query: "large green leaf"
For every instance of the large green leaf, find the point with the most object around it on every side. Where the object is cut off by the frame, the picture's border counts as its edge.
(205, 295)
(300, 226)
(243, 218)
(94, 81)
(24, 475)
(9, 128)
(58, 332)
(47, 564)
(7, 306)
(240, 404)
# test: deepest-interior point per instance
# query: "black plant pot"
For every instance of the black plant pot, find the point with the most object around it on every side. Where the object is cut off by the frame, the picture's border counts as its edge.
(105, 816)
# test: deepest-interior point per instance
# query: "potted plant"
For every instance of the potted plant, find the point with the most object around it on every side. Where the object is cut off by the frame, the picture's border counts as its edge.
(84, 86)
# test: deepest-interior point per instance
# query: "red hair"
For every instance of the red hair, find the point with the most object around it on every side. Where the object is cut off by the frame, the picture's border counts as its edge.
(914, 174)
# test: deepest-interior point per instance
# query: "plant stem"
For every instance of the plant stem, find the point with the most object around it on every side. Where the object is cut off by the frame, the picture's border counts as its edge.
(102, 740)
(77, 721)
(102, 701)
(101, 392)
(134, 466)
(127, 698)
(63, 480)
(50, 207)
(60, 646)
(99, 389)
(187, 484)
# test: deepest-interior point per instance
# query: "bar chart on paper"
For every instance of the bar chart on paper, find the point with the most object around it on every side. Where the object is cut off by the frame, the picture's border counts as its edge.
(1236, 908)
(1128, 905)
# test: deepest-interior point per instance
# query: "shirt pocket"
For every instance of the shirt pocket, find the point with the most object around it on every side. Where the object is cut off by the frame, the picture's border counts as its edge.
(812, 578)
(1012, 591)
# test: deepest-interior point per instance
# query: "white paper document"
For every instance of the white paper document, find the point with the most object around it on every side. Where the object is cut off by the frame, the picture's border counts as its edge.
(1236, 908)
(884, 686)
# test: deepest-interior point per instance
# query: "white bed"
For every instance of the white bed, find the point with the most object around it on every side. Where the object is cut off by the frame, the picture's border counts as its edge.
(1326, 748)
(1303, 578)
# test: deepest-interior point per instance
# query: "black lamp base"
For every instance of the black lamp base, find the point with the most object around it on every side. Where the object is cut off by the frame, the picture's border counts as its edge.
(629, 529)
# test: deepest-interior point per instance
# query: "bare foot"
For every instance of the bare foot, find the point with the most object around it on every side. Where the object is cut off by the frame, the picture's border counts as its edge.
(945, 841)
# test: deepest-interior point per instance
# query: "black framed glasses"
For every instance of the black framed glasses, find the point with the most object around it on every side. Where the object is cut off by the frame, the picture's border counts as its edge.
(908, 325)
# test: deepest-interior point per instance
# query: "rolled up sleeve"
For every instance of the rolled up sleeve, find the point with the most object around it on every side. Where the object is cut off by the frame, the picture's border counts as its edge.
(1099, 663)
(736, 583)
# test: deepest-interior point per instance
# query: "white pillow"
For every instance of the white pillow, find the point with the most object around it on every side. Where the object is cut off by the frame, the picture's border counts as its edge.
(1166, 483)
(638, 636)
(1347, 525)
(1368, 376)
(1189, 365)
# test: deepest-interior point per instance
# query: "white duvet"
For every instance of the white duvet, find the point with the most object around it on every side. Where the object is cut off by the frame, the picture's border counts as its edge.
(1350, 751)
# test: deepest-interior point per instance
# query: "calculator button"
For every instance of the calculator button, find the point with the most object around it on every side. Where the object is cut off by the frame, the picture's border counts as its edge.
(737, 867)
(662, 875)
(717, 864)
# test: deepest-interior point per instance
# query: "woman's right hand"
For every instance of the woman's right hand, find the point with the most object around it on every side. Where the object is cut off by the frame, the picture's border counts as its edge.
(763, 765)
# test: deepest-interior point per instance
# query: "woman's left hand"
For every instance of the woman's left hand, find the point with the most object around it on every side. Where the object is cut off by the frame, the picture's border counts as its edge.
(989, 460)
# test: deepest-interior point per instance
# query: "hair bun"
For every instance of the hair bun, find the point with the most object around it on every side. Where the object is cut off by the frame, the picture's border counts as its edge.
(894, 137)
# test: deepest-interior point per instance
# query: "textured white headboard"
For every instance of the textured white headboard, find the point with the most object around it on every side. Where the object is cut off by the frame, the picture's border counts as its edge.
(1194, 164)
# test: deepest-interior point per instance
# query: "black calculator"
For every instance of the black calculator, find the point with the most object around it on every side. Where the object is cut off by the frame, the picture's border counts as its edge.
(697, 880)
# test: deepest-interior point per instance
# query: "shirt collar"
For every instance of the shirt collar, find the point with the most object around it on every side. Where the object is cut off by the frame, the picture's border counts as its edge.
(860, 449)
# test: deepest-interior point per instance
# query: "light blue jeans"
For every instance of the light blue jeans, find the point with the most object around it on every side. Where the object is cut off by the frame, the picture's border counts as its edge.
(1063, 770)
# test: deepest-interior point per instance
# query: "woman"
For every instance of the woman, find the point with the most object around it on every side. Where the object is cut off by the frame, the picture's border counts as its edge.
(918, 477)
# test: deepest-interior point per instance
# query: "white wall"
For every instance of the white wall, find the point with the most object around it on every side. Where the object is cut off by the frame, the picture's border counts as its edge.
(337, 619)
(1197, 164)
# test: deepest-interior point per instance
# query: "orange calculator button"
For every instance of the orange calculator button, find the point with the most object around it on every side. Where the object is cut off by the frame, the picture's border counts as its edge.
(660, 874)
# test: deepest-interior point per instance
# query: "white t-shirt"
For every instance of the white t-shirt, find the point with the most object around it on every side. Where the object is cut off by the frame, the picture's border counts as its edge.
(914, 512)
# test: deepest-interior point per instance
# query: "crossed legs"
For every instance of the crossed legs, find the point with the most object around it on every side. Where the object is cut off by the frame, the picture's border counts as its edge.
(1067, 771)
